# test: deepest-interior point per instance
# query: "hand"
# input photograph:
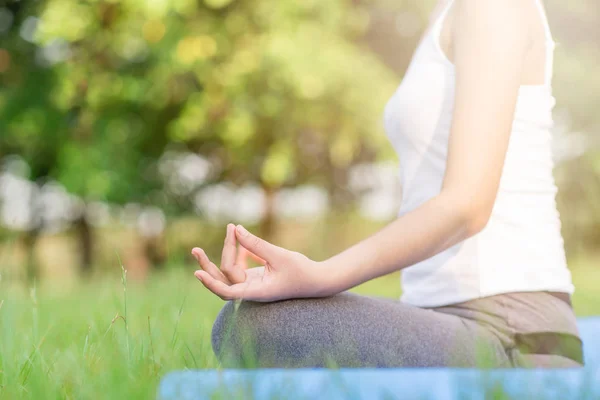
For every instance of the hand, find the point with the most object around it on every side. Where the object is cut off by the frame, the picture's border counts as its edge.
(230, 272)
(286, 274)
(243, 255)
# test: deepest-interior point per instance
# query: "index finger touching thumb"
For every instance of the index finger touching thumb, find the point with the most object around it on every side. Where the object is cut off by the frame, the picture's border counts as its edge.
(256, 245)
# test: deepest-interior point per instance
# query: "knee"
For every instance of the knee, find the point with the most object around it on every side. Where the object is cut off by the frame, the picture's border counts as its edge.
(222, 325)
(236, 334)
(245, 332)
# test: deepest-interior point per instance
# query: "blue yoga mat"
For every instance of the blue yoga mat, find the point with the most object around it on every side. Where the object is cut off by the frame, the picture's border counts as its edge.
(559, 384)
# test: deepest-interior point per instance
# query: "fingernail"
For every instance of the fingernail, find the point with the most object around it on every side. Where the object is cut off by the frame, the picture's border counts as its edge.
(242, 230)
(198, 276)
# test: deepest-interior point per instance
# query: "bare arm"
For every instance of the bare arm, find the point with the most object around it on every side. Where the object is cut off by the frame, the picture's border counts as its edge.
(488, 54)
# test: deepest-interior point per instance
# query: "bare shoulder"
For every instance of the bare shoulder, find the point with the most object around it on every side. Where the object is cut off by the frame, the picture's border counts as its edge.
(493, 18)
(517, 9)
(498, 24)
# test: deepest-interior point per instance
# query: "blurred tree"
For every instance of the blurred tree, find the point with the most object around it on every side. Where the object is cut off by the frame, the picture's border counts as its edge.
(277, 94)
(285, 94)
(30, 124)
(63, 114)
(576, 29)
(577, 32)
(578, 202)
(92, 93)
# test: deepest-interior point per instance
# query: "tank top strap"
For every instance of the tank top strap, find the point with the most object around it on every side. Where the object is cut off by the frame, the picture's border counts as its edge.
(435, 31)
(544, 17)
(550, 44)
(439, 20)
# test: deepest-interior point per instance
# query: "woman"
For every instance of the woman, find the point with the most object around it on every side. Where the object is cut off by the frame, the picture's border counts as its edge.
(478, 239)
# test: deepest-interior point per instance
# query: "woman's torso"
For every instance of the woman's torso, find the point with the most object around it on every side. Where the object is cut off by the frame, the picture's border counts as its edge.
(521, 248)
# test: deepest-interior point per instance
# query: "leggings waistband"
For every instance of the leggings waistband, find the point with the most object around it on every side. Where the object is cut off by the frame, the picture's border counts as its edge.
(566, 297)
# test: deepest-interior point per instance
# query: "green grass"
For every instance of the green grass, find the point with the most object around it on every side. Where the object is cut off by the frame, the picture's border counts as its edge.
(98, 340)
(114, 339)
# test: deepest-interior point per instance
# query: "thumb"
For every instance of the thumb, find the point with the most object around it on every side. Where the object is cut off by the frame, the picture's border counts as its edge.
(256, 245)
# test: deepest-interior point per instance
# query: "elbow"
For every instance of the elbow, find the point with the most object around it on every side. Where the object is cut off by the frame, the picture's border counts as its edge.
(475, 222)
(472, 216)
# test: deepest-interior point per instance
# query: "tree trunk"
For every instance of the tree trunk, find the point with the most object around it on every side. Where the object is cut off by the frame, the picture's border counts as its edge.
(30, 240)
(267, 225)
(85, 239)
(155, 250)
(342, 200)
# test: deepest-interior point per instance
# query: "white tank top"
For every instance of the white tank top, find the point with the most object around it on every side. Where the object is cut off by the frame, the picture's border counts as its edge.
(521, 248)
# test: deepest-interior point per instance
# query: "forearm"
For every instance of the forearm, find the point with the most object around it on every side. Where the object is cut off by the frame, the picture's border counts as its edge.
(430, 229)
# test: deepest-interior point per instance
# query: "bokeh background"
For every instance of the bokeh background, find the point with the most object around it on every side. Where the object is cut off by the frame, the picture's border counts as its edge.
(133, 130)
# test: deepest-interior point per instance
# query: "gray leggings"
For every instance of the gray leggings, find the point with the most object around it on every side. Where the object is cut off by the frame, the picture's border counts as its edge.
(349, 330)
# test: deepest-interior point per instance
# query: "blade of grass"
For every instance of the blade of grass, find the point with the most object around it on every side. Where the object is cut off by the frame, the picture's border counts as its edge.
(174, 338)
(154, 365)
(85, 344)
(192, 355)
(124, 284)
(26, 368)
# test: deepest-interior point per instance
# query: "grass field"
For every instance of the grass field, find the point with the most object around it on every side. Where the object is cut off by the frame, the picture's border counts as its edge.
(110, 339)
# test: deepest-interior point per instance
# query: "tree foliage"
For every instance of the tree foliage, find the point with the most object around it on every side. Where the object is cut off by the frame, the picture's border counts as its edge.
(93, 93)
(97, 91)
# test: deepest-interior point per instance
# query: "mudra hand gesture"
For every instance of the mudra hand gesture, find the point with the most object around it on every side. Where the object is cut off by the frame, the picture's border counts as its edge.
(285, 274)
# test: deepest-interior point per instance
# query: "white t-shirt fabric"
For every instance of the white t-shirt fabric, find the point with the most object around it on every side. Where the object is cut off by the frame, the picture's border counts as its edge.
(521, 248)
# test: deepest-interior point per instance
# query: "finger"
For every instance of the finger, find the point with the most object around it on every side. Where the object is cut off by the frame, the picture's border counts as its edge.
(241, 259)
(256, 245)
(228, 254)
(222, 290)
(208, 266)
(214, 285)
(233, 272)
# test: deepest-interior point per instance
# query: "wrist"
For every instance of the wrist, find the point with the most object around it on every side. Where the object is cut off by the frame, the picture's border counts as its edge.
(331, 277)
